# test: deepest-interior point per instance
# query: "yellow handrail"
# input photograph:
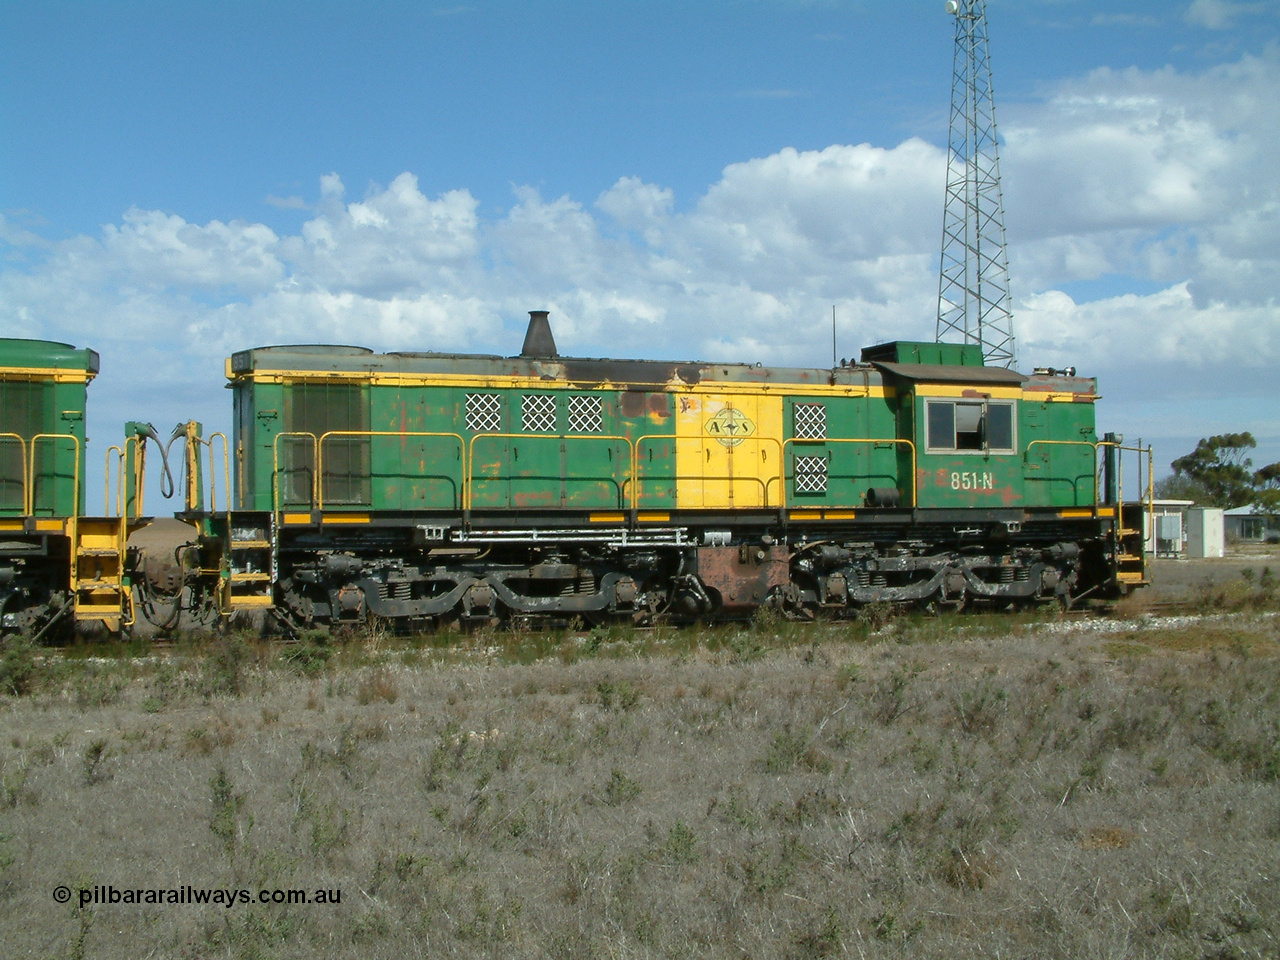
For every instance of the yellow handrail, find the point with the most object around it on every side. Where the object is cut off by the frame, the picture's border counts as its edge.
(275, 466)
(194, 445)
(1071, 443)
(630, 484)
(635, 464)
(676, 477)
(139, 478)
(226, 469)
(893, 440)
(626, 481)
(31, 479)
(1150, 491)
(106, 482)
(22, 445)
(139, 475)
(373, 433)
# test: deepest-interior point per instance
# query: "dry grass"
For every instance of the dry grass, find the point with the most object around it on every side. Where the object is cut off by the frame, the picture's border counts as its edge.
(958, 788)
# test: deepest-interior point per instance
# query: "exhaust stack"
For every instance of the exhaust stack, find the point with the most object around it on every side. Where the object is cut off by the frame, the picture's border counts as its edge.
(538, 341)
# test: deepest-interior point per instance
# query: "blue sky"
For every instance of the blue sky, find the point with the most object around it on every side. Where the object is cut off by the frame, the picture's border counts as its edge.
(697, 180)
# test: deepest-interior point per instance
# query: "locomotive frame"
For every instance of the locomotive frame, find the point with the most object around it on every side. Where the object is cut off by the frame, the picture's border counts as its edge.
(421, 487)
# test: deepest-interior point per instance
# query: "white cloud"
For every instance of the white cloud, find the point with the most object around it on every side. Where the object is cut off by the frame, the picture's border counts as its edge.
(154, 249)
(1164, 327)
(17, 236)
(1219, 14)
(1161, 181)
(396, 240)
(1161, 176)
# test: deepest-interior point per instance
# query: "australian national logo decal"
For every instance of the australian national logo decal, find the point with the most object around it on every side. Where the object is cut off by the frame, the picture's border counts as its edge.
(730, 427)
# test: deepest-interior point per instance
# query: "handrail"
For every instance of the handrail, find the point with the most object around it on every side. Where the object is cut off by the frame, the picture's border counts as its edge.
(139, 477)
(630, 485)
(470, 463)
(897, 441)
(31, 479)
(1148, 497)
(782, 469)
(374, 433)
(275, 466)
(731, 478)
(1150, 486)
(106, 481)
(1070, 443)
(194, 445)
(22, 445)
(1096, 445)
(635, 466)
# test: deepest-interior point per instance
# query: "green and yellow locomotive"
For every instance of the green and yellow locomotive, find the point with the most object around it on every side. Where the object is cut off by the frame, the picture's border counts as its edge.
(421, 487)
(58, 567)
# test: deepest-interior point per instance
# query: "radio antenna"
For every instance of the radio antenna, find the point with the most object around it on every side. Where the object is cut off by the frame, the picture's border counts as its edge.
(973, 287)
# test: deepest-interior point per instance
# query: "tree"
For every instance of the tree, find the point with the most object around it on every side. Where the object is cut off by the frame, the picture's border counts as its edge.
(1266, 486)
(1218, 467)
(1177, 486)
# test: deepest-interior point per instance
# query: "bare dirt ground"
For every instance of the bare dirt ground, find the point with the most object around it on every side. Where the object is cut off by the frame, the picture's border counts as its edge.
(1179, 579)
(971, 787)
(162, 536)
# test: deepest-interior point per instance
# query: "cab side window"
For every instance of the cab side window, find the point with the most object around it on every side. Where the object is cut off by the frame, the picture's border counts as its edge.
(981, 426)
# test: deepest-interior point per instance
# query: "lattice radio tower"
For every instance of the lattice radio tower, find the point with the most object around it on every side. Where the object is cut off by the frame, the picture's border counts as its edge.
(973, 289)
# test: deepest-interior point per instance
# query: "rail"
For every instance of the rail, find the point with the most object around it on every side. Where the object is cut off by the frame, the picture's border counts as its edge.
(194, 493)
(122, 460)
(22, 476)
(637, 495)
(629, 486)
(1096, 446)
(874, 440)
(1147, 497)
(30, 499)
(275, 465)
(106, 481)
(1093, 445)
(360, 434)
(468, 489)
(29, 474)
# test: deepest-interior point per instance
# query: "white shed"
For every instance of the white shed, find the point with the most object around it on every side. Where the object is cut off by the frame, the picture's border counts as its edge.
(1165, 534)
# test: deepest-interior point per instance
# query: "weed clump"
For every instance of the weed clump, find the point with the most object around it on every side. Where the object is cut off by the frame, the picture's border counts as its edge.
(228, 819)
(19, 672)
(225, 663)
(620, 788)
(91, 763)
(377, 685)
(616, 695)
(310, 655)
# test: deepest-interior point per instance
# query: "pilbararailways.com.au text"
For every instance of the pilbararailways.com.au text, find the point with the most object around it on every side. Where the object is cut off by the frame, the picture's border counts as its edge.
(104, 895)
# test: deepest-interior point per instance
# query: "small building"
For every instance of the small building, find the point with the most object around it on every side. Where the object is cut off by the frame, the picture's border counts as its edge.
(1250, 525)
(1166, 529)
(1205, 533)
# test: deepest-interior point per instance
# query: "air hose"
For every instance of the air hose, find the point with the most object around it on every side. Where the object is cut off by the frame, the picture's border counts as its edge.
(166, 477)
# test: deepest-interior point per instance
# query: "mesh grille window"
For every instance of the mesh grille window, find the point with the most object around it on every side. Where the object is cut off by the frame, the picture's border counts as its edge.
(811, 474)
(586, 415)
(811, 421)
(484, 412)
(538, 414)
